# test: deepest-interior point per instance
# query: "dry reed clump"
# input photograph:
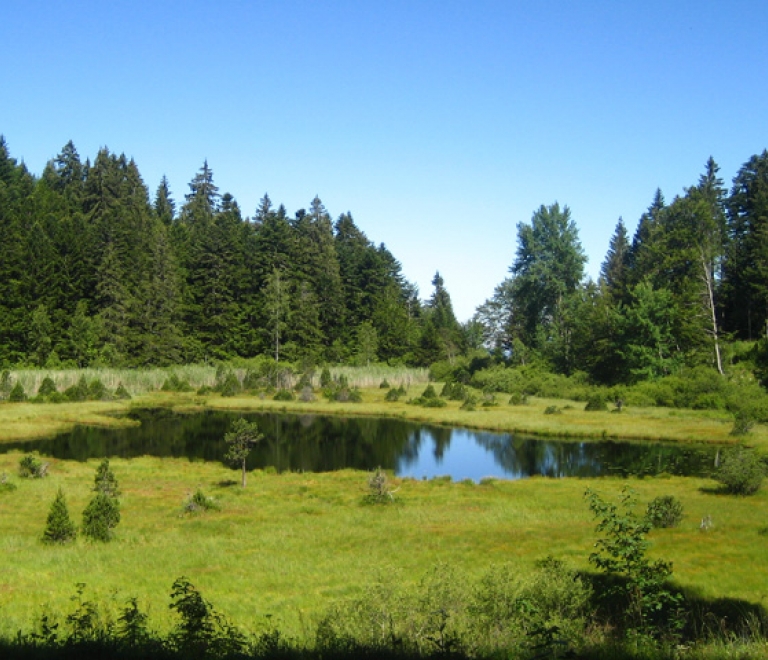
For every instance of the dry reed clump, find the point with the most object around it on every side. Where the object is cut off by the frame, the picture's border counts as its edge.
(139, 381)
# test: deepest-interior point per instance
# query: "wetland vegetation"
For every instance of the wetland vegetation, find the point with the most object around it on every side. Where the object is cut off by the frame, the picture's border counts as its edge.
(112, 303)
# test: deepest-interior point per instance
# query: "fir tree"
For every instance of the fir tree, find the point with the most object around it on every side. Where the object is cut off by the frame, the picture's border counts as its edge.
(59, 527)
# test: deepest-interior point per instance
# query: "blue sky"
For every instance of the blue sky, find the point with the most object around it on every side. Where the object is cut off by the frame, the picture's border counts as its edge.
(440, 125)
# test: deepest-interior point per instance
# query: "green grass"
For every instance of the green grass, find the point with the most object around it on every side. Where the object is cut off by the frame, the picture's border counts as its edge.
(290, 545)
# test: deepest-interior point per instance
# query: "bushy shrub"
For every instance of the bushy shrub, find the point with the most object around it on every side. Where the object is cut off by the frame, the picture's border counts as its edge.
(454, 391)
(31, 467)
(77, 392)
(59, 527)
(596, 403)
(121, 392)
(395, 394)
(100, 517)
(384, 384)
(229, 385)
(470, 403)
(429, 392)
(17, 393)
(97, 391)
(325, 377)
(552, 410)
(47, 387)
(198, 502)
(664, 511)
(175, 384)
(741, 471)
(284, 395)
(518, 399)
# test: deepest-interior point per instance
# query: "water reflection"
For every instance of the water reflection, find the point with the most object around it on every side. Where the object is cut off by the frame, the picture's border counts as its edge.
(315, 443)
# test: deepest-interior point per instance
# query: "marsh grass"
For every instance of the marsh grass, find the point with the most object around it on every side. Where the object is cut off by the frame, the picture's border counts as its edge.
(291, 544)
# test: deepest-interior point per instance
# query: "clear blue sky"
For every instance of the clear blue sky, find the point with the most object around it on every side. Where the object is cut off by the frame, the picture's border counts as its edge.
(440, 125)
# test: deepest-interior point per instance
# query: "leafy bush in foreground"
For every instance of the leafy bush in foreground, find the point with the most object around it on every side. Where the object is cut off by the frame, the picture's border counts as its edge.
(31, 467)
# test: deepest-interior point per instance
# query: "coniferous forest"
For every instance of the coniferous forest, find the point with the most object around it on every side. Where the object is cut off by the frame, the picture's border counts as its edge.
(97, 270)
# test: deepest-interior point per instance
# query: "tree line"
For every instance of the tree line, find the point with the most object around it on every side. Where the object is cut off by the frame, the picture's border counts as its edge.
(691, 282)
(94, 272)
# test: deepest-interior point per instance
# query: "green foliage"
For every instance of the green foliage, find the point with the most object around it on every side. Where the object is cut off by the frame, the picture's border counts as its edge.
(384, 385)
(175, 384)
(229, 385)
(97, 391)
(5, 384)
(650, 607)
(47, 387)
(470, 403)
(105, 481)
(664, 511)
(17, 394)
(31, 467)
(199, 502)
(284, 395)
(552, 410)
(59, 528)
(121, 393)
(596, 403)
(741, 471)
(241, 439)
(395, 393)
(100, 517)
(325, 377)
(518, 399)
(201, 631)
(454, 391)
(79, 391)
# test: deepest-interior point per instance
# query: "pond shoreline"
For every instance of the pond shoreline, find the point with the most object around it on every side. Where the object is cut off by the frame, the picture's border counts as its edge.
(31, 421)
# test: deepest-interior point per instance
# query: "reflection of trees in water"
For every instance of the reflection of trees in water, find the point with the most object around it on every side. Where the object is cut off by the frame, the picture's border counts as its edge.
(522, 456)
(317, 444)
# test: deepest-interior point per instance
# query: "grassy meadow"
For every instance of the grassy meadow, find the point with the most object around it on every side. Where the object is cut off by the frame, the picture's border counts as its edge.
(285, 548)
(281, 552)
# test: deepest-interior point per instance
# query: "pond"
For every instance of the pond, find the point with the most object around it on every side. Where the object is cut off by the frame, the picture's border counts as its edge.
(315, 443)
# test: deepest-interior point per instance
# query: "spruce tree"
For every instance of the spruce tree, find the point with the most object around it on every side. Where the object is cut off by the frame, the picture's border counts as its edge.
(102, 514)
(59, 527)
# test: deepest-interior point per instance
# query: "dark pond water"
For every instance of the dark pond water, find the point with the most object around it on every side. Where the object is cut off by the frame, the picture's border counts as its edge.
(315, 443)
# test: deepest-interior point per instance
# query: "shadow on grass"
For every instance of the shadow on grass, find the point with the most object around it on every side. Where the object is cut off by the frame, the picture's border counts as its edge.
(227, 483)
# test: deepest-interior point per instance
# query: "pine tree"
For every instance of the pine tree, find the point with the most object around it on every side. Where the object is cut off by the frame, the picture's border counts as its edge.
(59, 527)
(100, 517)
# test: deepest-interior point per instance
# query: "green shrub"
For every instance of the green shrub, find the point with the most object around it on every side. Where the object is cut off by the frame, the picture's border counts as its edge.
(325, 377)
(199, 501)
(77, 392)
(470, 403)
(174, 384)
(31, 467)
(306, 395)
(596, 403)
(230, 385)
(47, 387)
(552, 410)
(741, 471)
(454, 392)
(59, 528)
(284, 395)
(518, 399)
(97, 391)
(17, 394)
(393, 395)
(5, 384)
(384, 385)
(664, 511)
(489, 400)
(121, 393)
(100, 517)
(429, 392)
